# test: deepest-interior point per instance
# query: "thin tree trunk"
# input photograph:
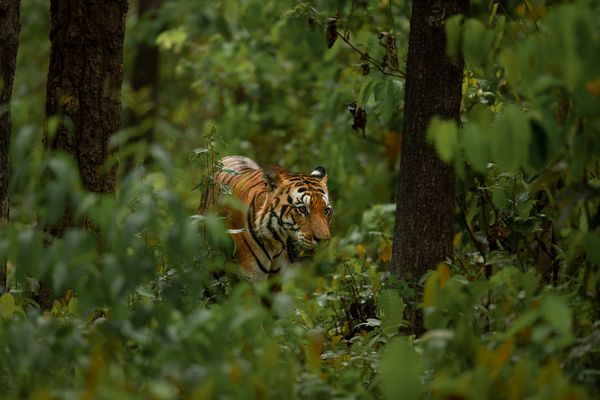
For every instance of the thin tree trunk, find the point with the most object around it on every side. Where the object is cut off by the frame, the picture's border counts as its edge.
(425, 204)
(9, 44)
(84, 87)
(145, 78)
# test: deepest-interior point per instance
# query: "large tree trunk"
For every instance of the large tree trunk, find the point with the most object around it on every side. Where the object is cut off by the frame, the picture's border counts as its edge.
(84, 93)
(425, 203)
(84, 87)
(9, 43)
(144, 79)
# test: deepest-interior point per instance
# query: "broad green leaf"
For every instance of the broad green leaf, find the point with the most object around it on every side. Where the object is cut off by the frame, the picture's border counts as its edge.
(380, 91)
(510, 139)
(231, 12)
(7, 305)
(555, 310)
(172, 39)
(508, 60)
(477, 42)
(401, 371)
(453, 29)
(444, 136)
(481, 115)
(365, 92)
(391, 308)
(389, 102)
(474, 140)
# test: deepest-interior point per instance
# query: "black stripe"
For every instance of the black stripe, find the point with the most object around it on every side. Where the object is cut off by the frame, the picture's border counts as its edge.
(262, 268)
(272, 228)
(254, 236)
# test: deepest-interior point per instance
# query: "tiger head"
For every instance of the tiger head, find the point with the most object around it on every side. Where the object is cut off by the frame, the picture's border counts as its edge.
(296, 213)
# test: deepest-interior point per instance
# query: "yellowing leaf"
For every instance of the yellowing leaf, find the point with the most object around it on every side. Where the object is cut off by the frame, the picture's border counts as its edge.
(502, 354)
(457, 240)
(235, 372)
(72, 306)
(443, 274)
(361, 250)
(314, 350)
(385, 253)
(336, 340)
(270, 355)
(7, 305)
(430, 292)
(593, 87)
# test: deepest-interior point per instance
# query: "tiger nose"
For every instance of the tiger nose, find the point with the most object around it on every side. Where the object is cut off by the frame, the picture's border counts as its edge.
(324, 235)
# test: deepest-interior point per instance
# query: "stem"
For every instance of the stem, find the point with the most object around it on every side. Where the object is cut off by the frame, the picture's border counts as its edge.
(462, 207)
(365, 56)
(531, 15)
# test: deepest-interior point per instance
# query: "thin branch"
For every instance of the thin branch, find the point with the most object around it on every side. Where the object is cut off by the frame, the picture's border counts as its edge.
(365, 56)
(347, 30)
(391, 17)
(531, 15)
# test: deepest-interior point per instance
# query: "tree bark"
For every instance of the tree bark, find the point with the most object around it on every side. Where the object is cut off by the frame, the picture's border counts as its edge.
(84, 87)
(9, 44)
(425, 204)
(144, 79)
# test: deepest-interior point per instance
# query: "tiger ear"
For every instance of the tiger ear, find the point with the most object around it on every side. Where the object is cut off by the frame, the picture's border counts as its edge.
(272, 177)
(321, 173)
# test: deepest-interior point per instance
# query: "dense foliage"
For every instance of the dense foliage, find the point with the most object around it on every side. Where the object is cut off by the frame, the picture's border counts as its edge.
(148, 305)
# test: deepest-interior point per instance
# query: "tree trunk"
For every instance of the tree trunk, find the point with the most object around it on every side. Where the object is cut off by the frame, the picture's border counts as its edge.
(84, 87)
(425, 204)
(9, 43)
(144, 80)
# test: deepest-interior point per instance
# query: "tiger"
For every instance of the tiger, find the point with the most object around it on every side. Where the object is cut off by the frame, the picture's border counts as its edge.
(283, 215)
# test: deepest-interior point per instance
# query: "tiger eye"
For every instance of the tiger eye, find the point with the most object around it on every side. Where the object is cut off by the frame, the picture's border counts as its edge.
(303, 210)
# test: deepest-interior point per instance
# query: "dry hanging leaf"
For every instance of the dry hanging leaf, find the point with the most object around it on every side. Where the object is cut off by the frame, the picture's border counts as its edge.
(331, 32)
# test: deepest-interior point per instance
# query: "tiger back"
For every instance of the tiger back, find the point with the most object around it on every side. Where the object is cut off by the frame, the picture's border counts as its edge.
(283, 214)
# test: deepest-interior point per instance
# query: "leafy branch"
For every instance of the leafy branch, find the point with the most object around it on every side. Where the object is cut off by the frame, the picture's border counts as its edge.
(387, 66)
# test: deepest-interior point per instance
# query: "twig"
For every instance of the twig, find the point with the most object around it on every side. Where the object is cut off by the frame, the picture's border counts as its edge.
(347, 30)
(375, 63)
(391, 17)
(364, 55)
(531, 15)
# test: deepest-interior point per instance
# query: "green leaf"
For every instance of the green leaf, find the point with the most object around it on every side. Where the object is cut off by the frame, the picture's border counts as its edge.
(7, 306)
(510, 139)
(475, 144)
(555, 310)
(380, 91)
(453, 29)
(401, 371)
(391, 309)
(477, 42)
(592, 247)
(172, 39)
(510, 63)
(444, 136)
(365, 92)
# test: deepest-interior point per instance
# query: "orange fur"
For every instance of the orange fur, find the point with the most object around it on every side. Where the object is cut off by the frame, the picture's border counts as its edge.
(283, 213)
